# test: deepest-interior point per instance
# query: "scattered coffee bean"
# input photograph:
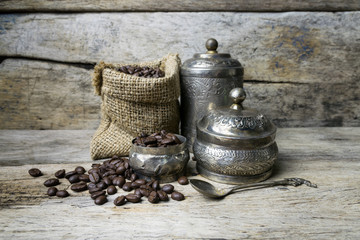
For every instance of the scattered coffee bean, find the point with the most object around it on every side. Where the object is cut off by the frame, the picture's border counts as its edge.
(153, 197)
(69, 174)
(121, 200)
(156, 185)
(51, 182)
(60, 173)
(134, 198)
(84, 178)
(119, 181)
(168, 188)
(52, 191)
(133, 177)
(140, 181)
(177, 196)
(91, 185)
(102, 185)
(100, 200)
(62, 193)
(111, 190)
(79, 187)
(35, 172)
(120, 170)
(107, 181)
(162, 195)
(74, 179)
(138, 192)
(127, 187)
(80, 170)
(183, 180)
(95, 189)
(94, 177)
(97, 194)
(145, 192)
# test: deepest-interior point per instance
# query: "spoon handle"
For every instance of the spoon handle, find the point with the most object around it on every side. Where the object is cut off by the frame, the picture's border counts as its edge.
(287, 181)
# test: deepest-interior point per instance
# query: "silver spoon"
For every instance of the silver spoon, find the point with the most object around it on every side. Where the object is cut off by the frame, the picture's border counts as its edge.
(210, 190)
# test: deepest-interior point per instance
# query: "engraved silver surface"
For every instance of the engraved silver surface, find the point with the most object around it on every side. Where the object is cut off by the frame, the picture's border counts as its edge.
(164, 164)
(206, 80)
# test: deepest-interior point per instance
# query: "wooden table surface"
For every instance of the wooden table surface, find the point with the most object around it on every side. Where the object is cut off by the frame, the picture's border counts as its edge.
(329, 157)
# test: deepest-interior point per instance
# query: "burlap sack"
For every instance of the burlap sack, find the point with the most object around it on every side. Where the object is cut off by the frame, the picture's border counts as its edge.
(131, 105)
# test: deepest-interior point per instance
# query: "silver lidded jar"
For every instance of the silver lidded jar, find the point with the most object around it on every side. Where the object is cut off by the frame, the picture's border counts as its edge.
(235, 145)
(206, 80)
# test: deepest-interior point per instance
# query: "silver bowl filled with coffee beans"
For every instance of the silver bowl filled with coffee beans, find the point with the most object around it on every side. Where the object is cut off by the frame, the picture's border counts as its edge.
(162, 156)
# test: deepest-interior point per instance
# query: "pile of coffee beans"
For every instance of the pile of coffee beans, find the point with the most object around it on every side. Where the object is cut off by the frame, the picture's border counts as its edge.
(109, 177)
(146, 72)
(158, 139)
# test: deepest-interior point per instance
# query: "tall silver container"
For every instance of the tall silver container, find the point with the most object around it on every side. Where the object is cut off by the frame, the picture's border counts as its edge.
(206, 80)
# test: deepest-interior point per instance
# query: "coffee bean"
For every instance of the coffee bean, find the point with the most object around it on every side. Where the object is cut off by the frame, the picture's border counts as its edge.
(177, 196)
(162, 139)
(79, 187)
(121, 200)
(84, 178)
(127, 187)
(100, 200)
(147, 187)
(60, 173)
(95, 189)
(102, 185)
(108, 173)
(140, 181)
(51, 182)
(74, 179)
(91, 185)
(94, 177)
(145, 192)
(111, 190)
(69, 174)
(168, 188)
(97, 170)
(118, 181)
(80, 170)
(62, 193)
(35, 172)
(107, 180)
(134, 198)
(183, 180)
(52, 191)
(133, 177)
(97, 194)
(156, 185)
(127, 174)
(153, 197)
(162, 195)
(138, 192)
(120, 170)
(135, 185)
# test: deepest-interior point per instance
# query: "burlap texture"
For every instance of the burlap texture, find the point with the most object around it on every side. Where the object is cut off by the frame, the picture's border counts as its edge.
(131, 105)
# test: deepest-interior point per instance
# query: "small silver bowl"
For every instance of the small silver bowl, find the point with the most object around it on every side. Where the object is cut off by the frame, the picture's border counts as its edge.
(165, 164)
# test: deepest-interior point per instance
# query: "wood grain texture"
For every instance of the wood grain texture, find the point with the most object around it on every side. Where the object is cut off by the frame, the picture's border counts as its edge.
(176, 5)
(41, 95)
(328, 157)
(284, 47)
(44, 95)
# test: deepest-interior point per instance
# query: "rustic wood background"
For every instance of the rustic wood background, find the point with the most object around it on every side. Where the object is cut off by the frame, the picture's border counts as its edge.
(301, 58)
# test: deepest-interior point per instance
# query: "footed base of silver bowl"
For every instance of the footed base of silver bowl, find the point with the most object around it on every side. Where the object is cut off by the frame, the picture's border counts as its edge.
(231, 179)
(162, 178)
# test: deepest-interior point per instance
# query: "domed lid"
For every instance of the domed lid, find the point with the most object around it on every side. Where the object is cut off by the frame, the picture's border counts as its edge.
(236, 126)
(212, 63)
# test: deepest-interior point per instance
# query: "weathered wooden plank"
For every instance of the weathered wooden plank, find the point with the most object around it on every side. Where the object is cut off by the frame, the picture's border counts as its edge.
(275, 47)
(177, 5)
(330, 159)
(41, 95)
(19, 147)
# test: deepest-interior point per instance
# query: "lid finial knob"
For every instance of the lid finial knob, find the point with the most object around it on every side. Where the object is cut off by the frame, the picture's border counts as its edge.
(238, 95)
(211, 45)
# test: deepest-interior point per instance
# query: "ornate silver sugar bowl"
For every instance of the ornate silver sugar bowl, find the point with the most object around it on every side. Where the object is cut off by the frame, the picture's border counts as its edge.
(206, 80)
(234, 144)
